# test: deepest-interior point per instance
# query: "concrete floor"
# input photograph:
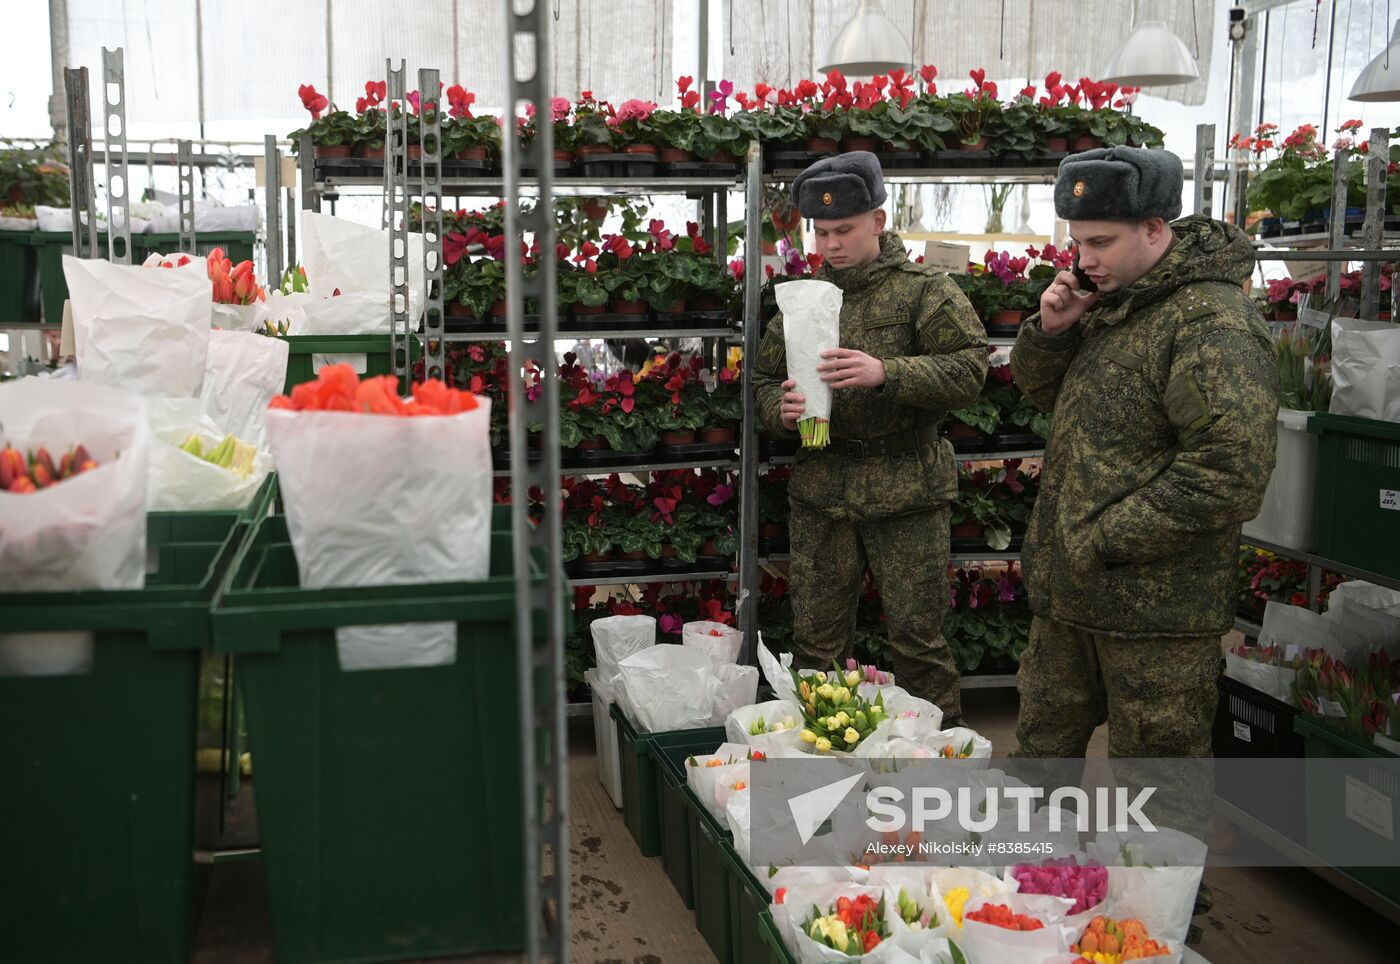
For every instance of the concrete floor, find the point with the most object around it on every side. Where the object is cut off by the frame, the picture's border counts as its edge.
(625, 911)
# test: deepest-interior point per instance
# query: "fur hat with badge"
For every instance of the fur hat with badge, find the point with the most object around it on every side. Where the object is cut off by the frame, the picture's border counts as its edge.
(1119, 184)
(840, 187)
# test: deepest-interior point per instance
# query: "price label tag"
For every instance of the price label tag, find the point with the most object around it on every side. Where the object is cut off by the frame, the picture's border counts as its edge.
(1290, 652)
(1330, 707)
(1314, 318)
(947, 256)
(1305, 270)
(1367, 806)
(1390, 499)
(1242, 732)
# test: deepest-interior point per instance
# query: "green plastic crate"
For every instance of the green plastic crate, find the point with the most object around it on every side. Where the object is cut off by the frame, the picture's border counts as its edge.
(98, 831)
(673, 811)
(19, 279)
(778, 951)
(372, 355)
(389, 801)
(639, 776)
(710, 875)
(50, 246)
(1358, 491)
(1326, 804)
(749, 900)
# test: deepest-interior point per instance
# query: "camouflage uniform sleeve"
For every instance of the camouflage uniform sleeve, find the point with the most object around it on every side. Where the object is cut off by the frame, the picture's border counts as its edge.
(952, 364)
(768, 376)
(1039, 362)
(1221, 398)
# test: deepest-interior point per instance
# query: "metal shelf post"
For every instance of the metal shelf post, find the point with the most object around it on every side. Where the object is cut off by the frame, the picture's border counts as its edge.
(539, 601)
(114, 157)
(81, 201)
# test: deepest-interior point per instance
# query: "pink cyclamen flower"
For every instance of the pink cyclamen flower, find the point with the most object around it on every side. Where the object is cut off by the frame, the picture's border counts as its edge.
(559, 108)
(638, 110)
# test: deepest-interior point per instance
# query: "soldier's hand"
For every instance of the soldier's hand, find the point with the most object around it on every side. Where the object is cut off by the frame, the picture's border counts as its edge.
(793, 407)
(848, 368)
(1063, 304)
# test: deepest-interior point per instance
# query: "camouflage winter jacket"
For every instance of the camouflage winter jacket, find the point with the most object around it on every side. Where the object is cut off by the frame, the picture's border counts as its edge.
(1164, 399)
(935, 353)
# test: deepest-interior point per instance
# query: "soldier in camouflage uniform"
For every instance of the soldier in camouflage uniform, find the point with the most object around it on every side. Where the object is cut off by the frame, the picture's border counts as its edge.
(911, 349)
(1164, 388)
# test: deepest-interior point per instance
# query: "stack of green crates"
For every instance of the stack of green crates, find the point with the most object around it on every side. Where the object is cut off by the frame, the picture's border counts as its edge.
(32, 286)
(97, 825)
(1358, 491)
(389, 801)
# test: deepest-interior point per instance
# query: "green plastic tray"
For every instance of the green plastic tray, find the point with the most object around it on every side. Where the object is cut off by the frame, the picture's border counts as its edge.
(639, 776)
(302, 349)
(1358, 478)
(98, 842)
(389, 801)
(1326, 804)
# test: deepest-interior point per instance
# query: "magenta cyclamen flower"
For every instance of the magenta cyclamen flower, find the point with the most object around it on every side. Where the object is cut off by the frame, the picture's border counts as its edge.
(670, 623)
(719, 98)
(721, 495)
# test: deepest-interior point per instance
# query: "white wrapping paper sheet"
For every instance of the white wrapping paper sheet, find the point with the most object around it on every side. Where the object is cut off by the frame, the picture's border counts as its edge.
(144, 330)
(86, 532)
(242, 374)
(811, 325)
(377, 500)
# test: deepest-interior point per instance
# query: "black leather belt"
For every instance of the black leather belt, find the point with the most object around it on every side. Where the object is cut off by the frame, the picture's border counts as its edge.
(895, 445)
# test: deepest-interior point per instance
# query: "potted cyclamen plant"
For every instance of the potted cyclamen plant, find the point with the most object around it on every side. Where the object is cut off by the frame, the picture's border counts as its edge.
(619, 278)
(669, 388)
(594, 135)
(332, 132)
(369, 124)
(638, 138)
(977, 519)
(971, 427)
(467, 137)
(973, 110)
(724, 405)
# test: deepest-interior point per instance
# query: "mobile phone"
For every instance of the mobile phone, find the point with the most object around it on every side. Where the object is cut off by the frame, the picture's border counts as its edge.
(1086, 283)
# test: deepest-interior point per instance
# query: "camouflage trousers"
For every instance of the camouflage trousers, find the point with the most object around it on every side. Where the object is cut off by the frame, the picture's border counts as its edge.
(1158, 697)
(908, 555)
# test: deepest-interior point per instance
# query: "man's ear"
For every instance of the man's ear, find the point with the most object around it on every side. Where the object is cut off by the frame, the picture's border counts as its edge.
(879, 219)
(1156, 229)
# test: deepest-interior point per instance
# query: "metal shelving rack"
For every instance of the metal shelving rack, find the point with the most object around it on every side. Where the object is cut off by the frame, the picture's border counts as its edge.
(1338, 248)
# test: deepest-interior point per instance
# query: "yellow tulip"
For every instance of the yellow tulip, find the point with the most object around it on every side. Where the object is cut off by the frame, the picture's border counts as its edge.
(842, 696)
(808, 736)
(826, 691)
(823, 745)
(851, 735)
(831, 725)
(853, 678)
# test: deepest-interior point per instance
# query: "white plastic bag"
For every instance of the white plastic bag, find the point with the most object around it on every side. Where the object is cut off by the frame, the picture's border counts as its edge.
(242, 374)
(735, 686)
(87, 531)
(145, 330)
(741, 720)
(990, 944)
(1365, 369)
(375, 500)
(797, 907)
(668, 687)
(617, 637)
(288, 311)
(339, 254)
(1267, 678)
(777, 670)
(720, 642)
(1361, 629)
(705, 773)
(1294, 629)
(811, 325)
(238, 317)
(1160, 888)
(737, 815)
(181, 482)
